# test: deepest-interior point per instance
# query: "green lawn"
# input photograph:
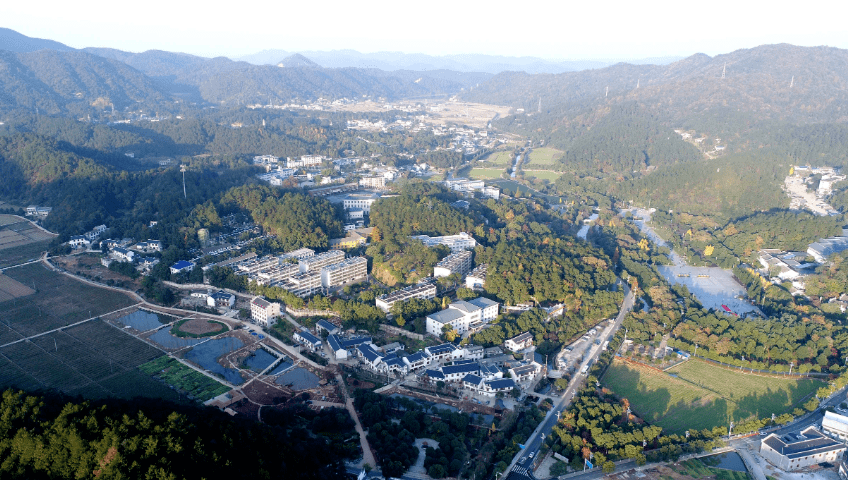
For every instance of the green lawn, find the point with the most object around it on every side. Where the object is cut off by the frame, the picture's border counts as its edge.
(485, 173)
(701, 468)
(703, 395)
(499, 158)
(543, 156)
(183, 378)
(543, 175)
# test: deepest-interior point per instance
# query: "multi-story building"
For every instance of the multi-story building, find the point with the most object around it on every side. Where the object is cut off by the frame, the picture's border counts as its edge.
(796, 451)
(476, 279)
(305, 161)
(835, 425)
(373, 182)
(298, 254)
(346, 271)
(264, 312)
(221, 299)
(181, 266)
(277, 177)
(360, 201)
(467, 187)
(422, 290)
(308, 340)
(317, 262)
(459, 262)
(519, 342)
(276, 274)
(522, 373)
(258, 264)
(456, 243)
(303, 284)
(462, 316)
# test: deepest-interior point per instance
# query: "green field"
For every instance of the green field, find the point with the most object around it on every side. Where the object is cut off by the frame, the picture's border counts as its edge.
(499, 158)
(703, 395)
(543, 156)
(195, 384)
(485, 173)
(705, 468)
(23, 253)
(543, 175)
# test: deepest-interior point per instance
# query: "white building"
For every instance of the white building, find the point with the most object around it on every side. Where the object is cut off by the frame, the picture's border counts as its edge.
(303, 284)
(373, 182)
(826, 247)
(456, 243)
(276, 274)
(422, 290)
(317, 262)
(476, 279)
(519, 342)
(78, 241)
(305, 161)
(277, 177)
(298, 254)
(346, 271)
(835, 425)
(796, 451)
(459, 262)
(264, 312)
(462, 315)
(221, 299)
(360, 201)
(467, 187)
(308, 340)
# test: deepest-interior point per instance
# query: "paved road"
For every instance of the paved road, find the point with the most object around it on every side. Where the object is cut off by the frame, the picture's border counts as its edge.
(523, 460)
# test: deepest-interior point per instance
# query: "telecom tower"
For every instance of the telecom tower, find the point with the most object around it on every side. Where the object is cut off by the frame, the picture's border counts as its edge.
(723, 70)
(792, 82)
(637, 82)
(540, 105)
(607, 92)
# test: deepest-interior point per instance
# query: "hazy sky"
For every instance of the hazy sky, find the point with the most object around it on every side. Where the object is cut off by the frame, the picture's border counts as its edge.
(556, 29)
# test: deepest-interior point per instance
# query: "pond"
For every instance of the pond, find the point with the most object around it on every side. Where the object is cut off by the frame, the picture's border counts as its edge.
(298, 379)
(726, 461)
(142, 320)
(259, 360)
(281, 367)
(206, 355)
(164, 338)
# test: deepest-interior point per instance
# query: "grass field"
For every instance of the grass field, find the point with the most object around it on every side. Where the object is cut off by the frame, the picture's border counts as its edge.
(485, 173)
(699, 468)
(542, 174)
(499, 158)
(703, 395)
(58, 301)
(194, 384)
(543, 156)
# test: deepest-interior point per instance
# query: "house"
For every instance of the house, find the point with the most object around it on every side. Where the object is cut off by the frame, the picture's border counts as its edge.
(523, 373)
(795, 451)
(393, 347)
(147, 262)
(519, 342)
(473, 352)
(149, 246)
(330, 328)
(181, 267)
(435, 375)
(394, 364)
(264, 312)
(441, 352)
(369, 355)
(79, 241)
(340, 346)
(417, 360)
(221, 299)
(456, 372)
(308, 340)
(122, 254)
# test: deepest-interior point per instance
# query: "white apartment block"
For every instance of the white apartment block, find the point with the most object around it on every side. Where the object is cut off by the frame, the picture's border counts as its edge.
(265, 159)
(467, 187)
(360, 201)
(277, 177)
(462, 316)
(264, 312)
(257, 264)
(456, 243)
(303, 284)
(349, 270)
(373, 182)
(422, 290)
(835, 425)
(299, 254)
(476, 279)
(317, 262)
(276, 274)
(459, 262)
(305, 161)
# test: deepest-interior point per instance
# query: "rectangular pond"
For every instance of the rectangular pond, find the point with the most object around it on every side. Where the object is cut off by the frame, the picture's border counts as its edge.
(142, 320)
(206, 355)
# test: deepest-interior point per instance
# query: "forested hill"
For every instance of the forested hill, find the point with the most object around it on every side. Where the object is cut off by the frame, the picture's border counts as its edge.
(756, 80)
(54, 82)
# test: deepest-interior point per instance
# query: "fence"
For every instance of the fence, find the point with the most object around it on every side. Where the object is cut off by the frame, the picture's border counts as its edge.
(399, 331)
(309, 313)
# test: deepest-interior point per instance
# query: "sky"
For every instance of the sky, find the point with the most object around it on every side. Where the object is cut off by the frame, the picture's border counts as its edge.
(557, 30)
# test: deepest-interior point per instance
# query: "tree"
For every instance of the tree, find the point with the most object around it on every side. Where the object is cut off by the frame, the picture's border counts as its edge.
(449, 334)
(516, 392)
(609, 466)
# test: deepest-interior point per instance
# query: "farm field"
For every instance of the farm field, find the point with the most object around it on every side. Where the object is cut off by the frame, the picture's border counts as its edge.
(543, 157)
(542, 175)
(183, 378)
(93, 360)
(10, 289)
(499, 158)
(59, 301)
(702, 395)
(485, 173)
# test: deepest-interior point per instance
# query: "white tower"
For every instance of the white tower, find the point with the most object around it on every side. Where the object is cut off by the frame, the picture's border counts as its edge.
(183, 169)
(607, 92)
(723, 70)
(792, 82)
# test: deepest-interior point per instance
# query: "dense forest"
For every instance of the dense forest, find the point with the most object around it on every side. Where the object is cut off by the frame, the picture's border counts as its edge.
(52, 437)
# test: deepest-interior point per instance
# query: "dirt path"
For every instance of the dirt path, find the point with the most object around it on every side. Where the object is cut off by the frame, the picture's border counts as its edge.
(367, 455)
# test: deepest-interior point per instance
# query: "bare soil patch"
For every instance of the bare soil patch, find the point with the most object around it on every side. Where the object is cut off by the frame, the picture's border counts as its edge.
(11, 288)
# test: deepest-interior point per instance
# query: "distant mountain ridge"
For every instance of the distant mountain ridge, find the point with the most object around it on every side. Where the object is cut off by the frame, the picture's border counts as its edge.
(19, 43)
(391, 61)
